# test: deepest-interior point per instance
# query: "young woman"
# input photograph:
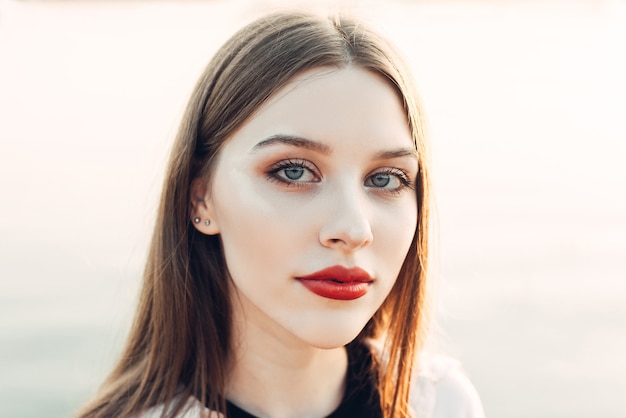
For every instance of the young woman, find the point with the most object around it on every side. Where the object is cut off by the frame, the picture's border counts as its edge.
(287, 271)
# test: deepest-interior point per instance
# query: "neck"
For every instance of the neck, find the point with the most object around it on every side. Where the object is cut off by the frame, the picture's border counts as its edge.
(273, 373)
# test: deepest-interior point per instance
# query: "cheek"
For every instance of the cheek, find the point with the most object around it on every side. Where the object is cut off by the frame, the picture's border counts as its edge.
(258, 228)
(393, 235)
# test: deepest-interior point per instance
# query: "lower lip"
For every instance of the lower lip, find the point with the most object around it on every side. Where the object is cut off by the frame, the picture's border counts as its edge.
(333, 290)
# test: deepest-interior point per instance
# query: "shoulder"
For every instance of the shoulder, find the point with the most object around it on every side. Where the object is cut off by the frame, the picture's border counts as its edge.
(441, 389)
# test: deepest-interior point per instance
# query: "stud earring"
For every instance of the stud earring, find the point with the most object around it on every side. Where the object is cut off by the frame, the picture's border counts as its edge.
(196, 220)
(207, 222)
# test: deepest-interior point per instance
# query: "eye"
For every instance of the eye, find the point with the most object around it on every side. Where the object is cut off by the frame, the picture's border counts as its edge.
(391, 180)
(381, 180)
(293, 172)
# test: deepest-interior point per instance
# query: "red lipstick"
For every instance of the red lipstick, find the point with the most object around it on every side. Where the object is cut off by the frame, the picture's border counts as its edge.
(338, 282)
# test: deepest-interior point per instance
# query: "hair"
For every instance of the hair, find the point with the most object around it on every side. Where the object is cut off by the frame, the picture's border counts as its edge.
(180, 341)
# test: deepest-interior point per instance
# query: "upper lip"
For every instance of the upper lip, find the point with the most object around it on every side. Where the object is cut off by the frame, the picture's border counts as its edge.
(340, 274)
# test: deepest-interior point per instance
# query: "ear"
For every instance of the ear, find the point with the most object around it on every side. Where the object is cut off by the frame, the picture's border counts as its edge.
(202, 212)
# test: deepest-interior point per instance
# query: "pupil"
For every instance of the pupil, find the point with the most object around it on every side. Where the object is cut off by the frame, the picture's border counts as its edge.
(294, 173)
(380, 180)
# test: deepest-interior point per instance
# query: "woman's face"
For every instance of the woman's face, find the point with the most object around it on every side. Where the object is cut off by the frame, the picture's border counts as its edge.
(314, 200)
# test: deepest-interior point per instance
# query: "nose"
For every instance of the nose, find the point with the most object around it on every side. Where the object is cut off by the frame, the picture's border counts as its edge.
(347, 226)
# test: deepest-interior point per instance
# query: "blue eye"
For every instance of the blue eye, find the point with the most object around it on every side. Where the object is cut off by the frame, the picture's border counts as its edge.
(380, 179)
(391, 180)
(293, 172)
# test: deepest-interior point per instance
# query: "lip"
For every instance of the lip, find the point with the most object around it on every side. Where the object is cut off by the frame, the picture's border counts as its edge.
(338, 282)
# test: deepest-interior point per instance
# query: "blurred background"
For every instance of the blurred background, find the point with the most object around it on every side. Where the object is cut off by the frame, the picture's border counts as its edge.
(526, 104)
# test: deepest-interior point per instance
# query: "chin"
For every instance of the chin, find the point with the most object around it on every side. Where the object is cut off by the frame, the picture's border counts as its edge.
(330, 337)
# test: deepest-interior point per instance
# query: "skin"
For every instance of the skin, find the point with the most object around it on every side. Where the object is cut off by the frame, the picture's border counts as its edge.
(340, 194)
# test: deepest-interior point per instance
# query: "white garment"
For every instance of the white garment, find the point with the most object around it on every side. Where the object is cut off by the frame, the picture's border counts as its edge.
(440, 390)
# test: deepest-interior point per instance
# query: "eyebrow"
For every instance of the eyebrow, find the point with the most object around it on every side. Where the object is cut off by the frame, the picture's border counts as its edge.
(396, 153)
(299, 142)
(294, 141)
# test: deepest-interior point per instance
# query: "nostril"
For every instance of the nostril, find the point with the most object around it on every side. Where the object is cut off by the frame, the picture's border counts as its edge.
(346, 233)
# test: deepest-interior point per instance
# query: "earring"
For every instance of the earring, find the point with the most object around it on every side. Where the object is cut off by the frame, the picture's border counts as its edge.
(196, 220)
(207, 222)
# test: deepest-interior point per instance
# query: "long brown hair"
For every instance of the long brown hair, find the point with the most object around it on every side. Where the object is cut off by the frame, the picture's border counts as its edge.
(180, 340)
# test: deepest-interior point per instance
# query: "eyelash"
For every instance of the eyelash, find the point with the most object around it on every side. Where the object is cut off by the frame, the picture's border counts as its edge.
(401, 175)
(272, 175)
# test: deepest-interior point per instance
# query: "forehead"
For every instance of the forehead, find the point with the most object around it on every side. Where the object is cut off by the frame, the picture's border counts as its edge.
(333, 87)
(333, 105)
